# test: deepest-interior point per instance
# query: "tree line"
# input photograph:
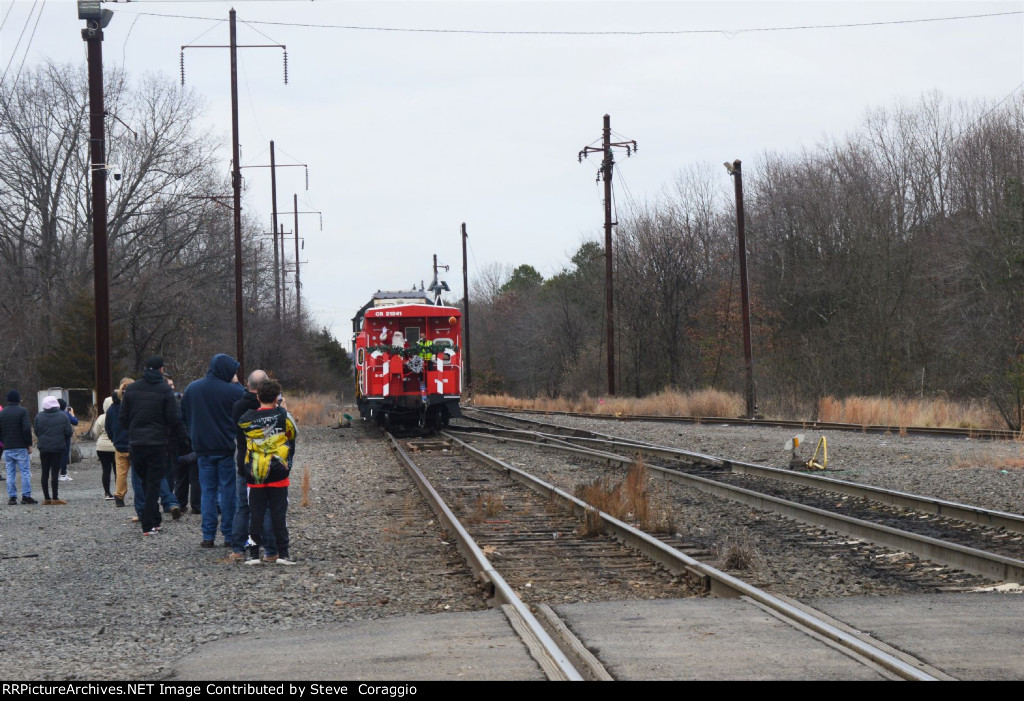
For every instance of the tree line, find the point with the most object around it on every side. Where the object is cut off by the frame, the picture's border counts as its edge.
(170, 242)
(888, 262)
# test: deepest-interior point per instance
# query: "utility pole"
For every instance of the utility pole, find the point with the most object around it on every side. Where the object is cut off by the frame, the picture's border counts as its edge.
(95, 21)
(437, 287)
(273, 227)
(298, 263)
(278, 252)
(298, 279)
(465, 314)
(236, 186)
(284, 289)
(748, 358)
(236, 173)
(605, 174)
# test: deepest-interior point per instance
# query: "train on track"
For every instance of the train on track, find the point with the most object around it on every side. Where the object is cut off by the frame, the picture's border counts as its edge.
(408, 361)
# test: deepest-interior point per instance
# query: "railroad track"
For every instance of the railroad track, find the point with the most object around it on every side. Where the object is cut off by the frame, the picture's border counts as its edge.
(977, 433)
(530, 545)
(980, 541)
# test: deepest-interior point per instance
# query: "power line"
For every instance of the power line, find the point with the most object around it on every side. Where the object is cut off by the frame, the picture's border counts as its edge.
(28, 46)
(645, 32)
(8, 14)
(20, 37)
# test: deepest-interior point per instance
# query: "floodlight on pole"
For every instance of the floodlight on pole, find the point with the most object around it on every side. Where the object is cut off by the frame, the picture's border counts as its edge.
(96, 17)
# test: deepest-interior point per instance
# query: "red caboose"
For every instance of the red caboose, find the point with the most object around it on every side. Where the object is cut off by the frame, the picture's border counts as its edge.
(408, 359)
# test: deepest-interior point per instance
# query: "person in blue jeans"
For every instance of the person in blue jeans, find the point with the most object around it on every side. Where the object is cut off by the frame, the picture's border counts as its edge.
(16, 435)
(240, 529)
(206, 410)
(168, 500)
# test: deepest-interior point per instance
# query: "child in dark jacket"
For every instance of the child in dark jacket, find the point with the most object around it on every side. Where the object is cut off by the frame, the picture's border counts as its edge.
(270, 446)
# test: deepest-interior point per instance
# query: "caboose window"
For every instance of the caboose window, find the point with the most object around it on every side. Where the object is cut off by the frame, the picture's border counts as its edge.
(412, 334)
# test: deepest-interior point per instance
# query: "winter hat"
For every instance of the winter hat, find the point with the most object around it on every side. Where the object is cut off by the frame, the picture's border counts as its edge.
(50, 403)
(14, 396)
(154, 362)
(61, 403)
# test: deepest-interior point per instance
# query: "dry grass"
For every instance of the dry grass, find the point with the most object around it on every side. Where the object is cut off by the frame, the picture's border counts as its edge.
(313, 409)
(487, 505)
(877, 411)
(861, 411)
(593, 524)
(305, 485)
(669, 403)
(739, 555)
(628, 500)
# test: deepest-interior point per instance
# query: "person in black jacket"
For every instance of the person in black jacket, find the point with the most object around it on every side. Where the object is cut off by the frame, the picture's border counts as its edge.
(53, 430)
(184, 466)
(16, 435)
(149, 413)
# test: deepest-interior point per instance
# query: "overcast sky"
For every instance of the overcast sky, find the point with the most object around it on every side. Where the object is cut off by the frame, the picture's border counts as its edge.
(408, 134)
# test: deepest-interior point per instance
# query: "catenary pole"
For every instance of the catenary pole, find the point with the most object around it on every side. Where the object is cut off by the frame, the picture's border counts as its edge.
(748, 356)
(236, 184)
(278, 275)
(605, 174)
(298, 279)
(465, 315)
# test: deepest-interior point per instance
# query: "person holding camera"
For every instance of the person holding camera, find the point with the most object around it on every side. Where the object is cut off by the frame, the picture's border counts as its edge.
(66, 457)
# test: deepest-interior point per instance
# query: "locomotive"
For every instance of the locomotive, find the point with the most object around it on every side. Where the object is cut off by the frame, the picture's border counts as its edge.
(408, 361)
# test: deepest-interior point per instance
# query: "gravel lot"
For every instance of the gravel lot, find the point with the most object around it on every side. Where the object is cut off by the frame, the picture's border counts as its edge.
(86, 597)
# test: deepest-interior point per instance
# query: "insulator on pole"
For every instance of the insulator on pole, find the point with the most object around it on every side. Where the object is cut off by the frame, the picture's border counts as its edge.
(183, 68)
(286, 66)
(307, 178)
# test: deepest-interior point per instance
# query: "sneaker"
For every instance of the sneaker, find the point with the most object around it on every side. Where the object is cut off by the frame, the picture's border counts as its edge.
(118, 501)
(206, 544)
(135, 519)
(234, 557)
(47, 502)
(12, 501)
(175, 512)
(285, 561)
(151, 532)
(156, 528)
(108, 497)
(252, 561)
(270, 558)
(28, 500)
(66, 478)
(58, 502)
